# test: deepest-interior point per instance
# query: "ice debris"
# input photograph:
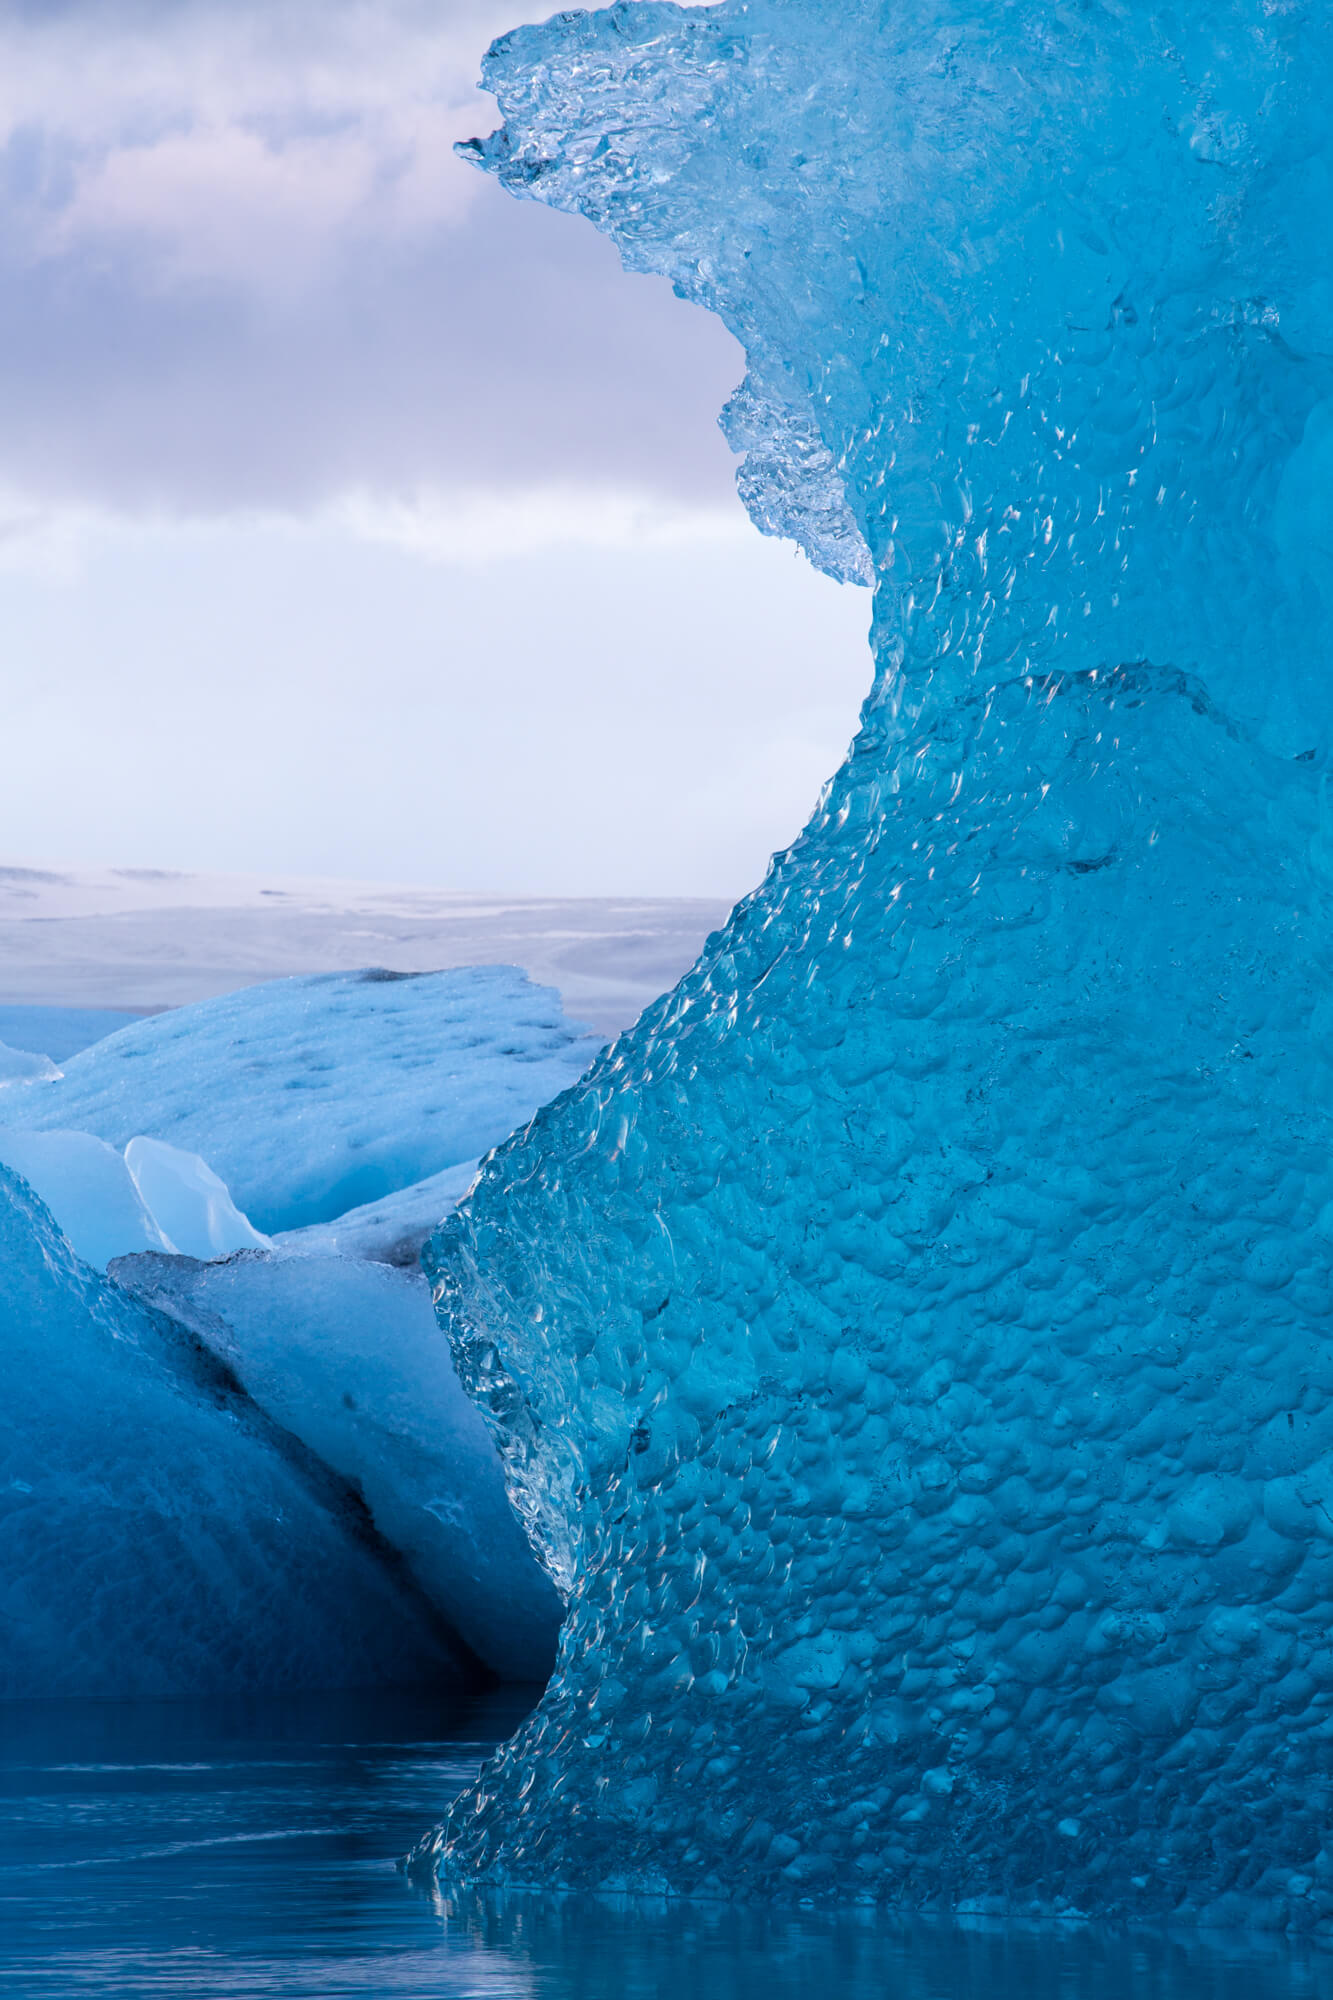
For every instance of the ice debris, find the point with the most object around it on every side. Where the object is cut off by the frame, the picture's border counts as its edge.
(190, 1205)
(392, 1231)
(88, 1189)
(109, 1204)
(318, 1382)
(909, 1344)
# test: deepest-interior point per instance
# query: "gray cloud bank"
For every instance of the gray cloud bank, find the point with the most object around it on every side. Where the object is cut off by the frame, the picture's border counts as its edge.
(241, 267)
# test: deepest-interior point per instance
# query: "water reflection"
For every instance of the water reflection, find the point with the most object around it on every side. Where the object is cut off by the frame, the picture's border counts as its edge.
(248, 1848)
(577, 1948)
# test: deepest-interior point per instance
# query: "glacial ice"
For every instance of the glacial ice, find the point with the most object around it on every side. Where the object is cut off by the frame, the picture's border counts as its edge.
(346, 1356)
(161, 1535)
(192, 1208)
(908, 1346)
(312, 1096)
(88, 1189)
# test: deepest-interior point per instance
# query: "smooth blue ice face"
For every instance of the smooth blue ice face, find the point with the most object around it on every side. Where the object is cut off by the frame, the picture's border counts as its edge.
(910, 1344)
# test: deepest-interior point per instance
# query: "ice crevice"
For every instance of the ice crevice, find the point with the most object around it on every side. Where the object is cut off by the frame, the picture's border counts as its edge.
(907, 1346)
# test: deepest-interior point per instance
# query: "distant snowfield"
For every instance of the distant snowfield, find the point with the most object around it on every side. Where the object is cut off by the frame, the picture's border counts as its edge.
(139, 939)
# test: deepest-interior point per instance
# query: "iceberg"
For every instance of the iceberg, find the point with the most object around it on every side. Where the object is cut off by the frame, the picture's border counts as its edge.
(908, 1346)
(162, 1536)
(312, 1096)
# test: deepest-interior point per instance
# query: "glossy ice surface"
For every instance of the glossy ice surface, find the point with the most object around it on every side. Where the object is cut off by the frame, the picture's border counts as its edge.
(910, 1344)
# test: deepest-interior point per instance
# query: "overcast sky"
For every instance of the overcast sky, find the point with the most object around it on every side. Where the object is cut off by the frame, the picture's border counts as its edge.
(355, 518)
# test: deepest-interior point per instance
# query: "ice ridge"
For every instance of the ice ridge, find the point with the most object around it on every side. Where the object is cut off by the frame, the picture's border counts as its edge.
(908, 1346)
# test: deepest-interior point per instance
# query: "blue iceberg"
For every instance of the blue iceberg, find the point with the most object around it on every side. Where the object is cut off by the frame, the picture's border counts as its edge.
(909, 1346)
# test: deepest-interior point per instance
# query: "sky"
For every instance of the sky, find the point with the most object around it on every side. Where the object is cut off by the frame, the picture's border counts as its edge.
(356, 519)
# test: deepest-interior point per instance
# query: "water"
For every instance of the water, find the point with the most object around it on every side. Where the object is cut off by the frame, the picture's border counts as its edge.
(248, 1848)
(239, 1847)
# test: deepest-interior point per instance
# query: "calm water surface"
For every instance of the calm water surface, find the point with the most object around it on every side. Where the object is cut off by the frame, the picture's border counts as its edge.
(248, 1848)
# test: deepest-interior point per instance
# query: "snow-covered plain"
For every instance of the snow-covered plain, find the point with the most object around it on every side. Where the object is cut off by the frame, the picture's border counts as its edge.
(140, 939)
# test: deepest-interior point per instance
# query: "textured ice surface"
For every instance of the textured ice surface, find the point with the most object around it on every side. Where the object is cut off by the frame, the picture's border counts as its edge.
(910, 1344)
(160, 1535)
(89, 1190)
(347, 1357)
(312, 1096)
(190, 1205)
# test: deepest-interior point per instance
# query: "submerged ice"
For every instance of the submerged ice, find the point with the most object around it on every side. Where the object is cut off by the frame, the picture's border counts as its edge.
(908, 1346)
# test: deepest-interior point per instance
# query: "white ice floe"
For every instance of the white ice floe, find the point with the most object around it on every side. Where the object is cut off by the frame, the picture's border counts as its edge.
(162, 1536)
(392, 1231)
(349, 1110)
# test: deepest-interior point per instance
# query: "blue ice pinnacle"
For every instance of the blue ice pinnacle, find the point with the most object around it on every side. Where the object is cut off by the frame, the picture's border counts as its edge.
(910, 1346)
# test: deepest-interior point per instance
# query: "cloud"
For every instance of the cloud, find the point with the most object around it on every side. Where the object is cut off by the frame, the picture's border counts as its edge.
(483, 526)
(242, 267)
(228, 205)
(293, 695)
(355, 518)
(454, 527)
(208, 140)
